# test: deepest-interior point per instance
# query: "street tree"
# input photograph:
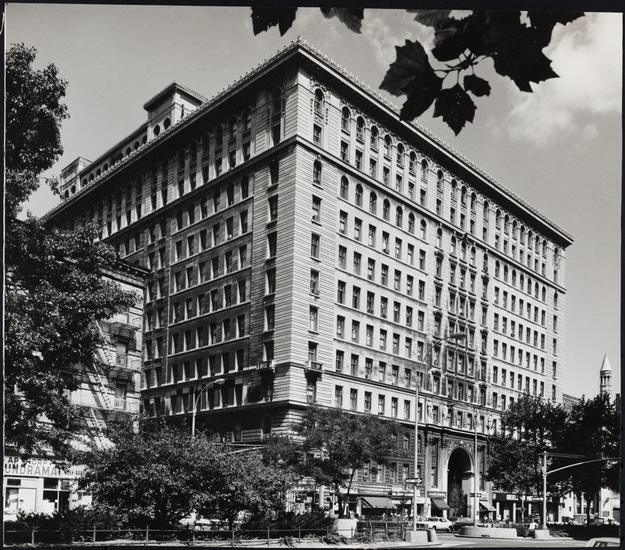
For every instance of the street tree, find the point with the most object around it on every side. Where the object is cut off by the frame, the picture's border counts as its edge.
(512, 40)
(530, 426)
(162, 474)
(343, 443)
(593, 431)
(152, 478)
(54, 289)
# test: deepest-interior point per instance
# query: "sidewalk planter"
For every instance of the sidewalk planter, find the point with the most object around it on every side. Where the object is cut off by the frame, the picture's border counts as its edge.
(345, 526)
(489, 532)
(417, 537)
(541, 533)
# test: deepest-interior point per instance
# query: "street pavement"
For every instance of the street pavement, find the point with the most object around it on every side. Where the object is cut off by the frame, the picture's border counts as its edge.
(449, 540)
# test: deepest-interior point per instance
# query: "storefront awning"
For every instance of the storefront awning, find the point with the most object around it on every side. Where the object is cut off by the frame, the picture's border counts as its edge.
(378, 502)
(488, 507)
(439, 502)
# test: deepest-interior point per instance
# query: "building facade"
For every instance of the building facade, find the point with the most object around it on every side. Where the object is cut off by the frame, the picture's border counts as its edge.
(107, 394)
(305, 245)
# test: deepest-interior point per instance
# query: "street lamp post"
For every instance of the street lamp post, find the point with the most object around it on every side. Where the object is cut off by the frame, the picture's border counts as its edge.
(436, 341)
(197, 398)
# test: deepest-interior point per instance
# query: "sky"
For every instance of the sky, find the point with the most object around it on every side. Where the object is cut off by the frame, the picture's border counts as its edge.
(559, 148)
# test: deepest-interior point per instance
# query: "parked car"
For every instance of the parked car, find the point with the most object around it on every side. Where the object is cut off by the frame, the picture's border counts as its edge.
(600, 542)
(440, 524)
(461, 522)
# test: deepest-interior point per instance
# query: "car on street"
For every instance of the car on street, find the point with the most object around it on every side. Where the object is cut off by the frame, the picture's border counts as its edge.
(600, 542)
(461, 522)
(440, 524)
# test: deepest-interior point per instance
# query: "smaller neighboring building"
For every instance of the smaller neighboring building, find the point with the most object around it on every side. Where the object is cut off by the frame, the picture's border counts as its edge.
(108, 394)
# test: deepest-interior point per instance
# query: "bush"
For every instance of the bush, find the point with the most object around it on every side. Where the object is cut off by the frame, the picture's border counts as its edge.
(363, 537)
(333, 538)
(287, 541)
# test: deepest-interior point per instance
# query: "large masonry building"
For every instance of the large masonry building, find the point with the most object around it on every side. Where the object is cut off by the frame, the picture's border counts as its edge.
(305, 245)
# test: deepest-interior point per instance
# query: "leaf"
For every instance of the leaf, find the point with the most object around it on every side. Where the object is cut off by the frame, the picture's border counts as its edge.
(524, 65)
(352, 18)
(430, 18)
(476, 85)
(451, 38)
(412, 75)
(265, 18)
(455, 107)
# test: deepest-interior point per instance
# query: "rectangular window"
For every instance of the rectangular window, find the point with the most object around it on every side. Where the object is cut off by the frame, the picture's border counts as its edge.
(353, 399)
(314, 245)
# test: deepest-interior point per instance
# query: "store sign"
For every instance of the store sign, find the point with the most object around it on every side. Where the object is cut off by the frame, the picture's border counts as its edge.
(39, 467)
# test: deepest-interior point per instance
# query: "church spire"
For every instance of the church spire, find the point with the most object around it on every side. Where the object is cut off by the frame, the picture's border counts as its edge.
(605, 376)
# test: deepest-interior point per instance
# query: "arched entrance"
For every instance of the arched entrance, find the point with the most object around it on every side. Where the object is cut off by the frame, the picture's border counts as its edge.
(459, 476)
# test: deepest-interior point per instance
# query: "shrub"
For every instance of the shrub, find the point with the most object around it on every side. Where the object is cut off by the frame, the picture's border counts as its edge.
(287, 541)
(363, 537)
(333, 538)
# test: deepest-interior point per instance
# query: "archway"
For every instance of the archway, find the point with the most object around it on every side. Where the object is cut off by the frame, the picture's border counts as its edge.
(459, 476)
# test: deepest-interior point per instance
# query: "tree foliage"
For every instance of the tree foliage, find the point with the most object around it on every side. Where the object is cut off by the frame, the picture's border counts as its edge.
(593, 430)
(161, 475)
(342, 443)
(531, 426)
(54, 289)
(514, 45)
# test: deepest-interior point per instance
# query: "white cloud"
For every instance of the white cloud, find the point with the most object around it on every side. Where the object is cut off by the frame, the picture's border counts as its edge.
(385, 29)
(587, 57)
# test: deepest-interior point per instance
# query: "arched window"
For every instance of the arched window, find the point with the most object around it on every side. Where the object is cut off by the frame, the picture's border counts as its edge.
(375, 134)
(522, 234)
(345, 119)
(400, 154)
(411, 221)
(84, 182)
(473, 202)
(543, 250)
(453, 244)
(423, 228)
(388, 144)
(454, 190)
(485, 211)
(66, 194)
(373, 202)
(144, 140)
(522, 281)
(485, 261)
(536, 244)
(97, 172)
(157, 130)
(412, 162)
(127, 152)
(498, 219)
(319, 102)
(497, 268)
(514, 277)
(439, 237)
(506, 224)
(317, 173)
(136, 145)
(386, 210)
(463, 196)
(529, 286)
(424, 170)
(90, 177)
(544, 294)
(358, 195)
(399, 216)
(360, 129)
(344, 188)
(505, 273)
(73, 189)
(166, 123)
(514, 230)
(105, 167)
(536, 290)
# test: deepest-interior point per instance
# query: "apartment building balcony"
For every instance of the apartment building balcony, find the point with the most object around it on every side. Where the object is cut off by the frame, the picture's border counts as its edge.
(123, 361)
(124, 324)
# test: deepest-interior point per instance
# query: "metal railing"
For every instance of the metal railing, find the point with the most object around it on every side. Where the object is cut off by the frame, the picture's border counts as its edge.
(365, 531)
